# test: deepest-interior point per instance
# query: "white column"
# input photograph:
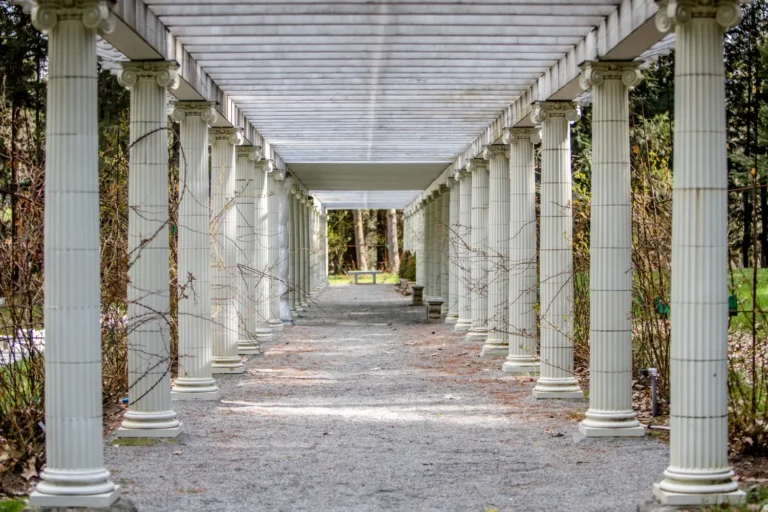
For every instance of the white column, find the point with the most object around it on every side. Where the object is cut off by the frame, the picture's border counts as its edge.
(276, 178)
(150, 413)
(557, 378)
(419, 244)
(610, 275)
(479, 256)
(436, 243)
(464, 251)
(324, 246)
(75, 475)
(259, 321)
(497, 344)
(195, 379)
(224, 271)
(284, 256)
(445, 222)
(245, 247)
(426, 217)
(523, 256)
(304, 214)
(453, 245)
(293, 252)
(699, 471)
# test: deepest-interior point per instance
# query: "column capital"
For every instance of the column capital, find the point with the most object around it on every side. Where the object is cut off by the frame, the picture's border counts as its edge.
(233, 135)
(444, 186)
(515, 135)
(276, 173)
(46, 14)
(544, 110)
(727, 13)
(252, 153)
(460, 173)
(594, 73)
(492, 150)
(164, 72)
(477, 165)
(205, 110)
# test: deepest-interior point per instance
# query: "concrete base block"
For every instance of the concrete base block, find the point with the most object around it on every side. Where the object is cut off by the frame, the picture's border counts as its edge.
(208, 395)
(149, 432)
(677, 499)
(451, 319)
(461, 326)
(477, 335)
(611, 432)
(558, 395)
(107, 502)
(276, 326)
(248, 351)
(494, 350)
(228, 370)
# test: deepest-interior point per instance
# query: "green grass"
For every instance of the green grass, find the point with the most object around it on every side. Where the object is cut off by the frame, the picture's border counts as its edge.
(11, 505)
(341, 280)
(742, 283)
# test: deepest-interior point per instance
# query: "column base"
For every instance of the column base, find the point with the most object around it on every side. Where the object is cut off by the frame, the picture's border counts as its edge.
(521, 366)
(227, 365)
(263, 334)
(563, 389)
(149, 424)
(679, 499)
(196, 395)
(477, 334)
(300, 309)
(462, 325)
(248, 347)
(586, 431)
(104, 501)
(276, 325)
(451, 318)
(189, 388)
(495, 349)
(149, 432)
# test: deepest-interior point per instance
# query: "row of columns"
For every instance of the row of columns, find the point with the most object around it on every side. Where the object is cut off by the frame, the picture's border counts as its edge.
(229, 264)
(493, 278)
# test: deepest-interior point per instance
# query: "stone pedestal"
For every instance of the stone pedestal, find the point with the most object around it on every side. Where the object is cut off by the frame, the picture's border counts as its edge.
(195, 380)
(418, 295)
(523, 257)
(75, 475)
(699, 472)
(150, 413)
(224, 271)
(434, 308)
(479, 246)
(557, 379)
(497, 344)
(610, 277)
(464, 251)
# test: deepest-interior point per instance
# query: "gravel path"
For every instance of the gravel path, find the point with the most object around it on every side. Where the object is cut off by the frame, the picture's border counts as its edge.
(364, 406)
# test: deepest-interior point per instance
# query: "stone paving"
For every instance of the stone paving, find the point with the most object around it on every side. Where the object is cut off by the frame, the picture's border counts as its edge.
(365, 406)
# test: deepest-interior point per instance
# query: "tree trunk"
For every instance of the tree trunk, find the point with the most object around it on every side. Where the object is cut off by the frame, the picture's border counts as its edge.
(764, 222)
(392, 246)
(746, 241)
(362, 262)
(371, 237)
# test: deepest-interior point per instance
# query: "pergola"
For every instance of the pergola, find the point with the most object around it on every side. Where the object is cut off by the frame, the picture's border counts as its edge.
(424, 105)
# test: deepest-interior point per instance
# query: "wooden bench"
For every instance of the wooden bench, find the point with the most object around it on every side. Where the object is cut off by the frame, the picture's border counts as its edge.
(357, 273)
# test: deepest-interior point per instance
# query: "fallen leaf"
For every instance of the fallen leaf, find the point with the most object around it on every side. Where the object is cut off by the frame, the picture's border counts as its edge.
(30, 469)
(177, 452)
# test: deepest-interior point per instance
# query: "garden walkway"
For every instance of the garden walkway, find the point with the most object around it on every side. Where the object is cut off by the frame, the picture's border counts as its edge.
(364, 406)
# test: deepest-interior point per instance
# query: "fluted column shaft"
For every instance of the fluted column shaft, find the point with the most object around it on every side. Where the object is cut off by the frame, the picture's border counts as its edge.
(245, 280)
(420, 245)
(610, 275)
(557, 378)
(293, 249)
(699, 471)
(523, 256)
(452, 253)
(464, 251)
(274, 181)
(260, 321)
(304, 214)
(224, 271)
(436, 243)
(195, 379)
(75, 473)
(445, 222)
(479, 237)
(150, 413)
(497, 344)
